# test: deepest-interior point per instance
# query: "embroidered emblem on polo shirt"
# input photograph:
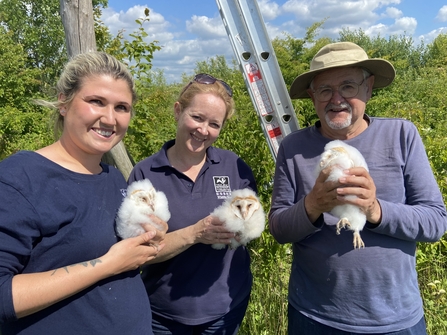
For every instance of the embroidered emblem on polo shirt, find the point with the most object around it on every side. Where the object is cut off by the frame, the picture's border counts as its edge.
(123, 191)
(222, 187)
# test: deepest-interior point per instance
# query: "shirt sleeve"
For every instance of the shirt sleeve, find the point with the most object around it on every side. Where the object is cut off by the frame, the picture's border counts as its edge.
(17, 233)
(288, 220)
(422, 216)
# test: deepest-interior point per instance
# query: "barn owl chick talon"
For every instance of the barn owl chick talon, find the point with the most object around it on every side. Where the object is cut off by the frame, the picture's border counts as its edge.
(358, 242)
(343, 223)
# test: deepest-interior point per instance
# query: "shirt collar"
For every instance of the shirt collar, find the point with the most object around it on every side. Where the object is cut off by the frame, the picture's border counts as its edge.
(161, 157)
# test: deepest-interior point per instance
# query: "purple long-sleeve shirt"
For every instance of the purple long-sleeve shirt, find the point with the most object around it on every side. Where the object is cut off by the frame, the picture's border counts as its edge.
(370, 290)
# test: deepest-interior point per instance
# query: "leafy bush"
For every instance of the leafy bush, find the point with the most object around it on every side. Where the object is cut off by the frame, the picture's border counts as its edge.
(419, 94)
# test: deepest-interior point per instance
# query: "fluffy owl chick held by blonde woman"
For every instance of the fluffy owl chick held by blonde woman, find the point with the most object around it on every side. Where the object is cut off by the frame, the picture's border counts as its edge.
(243, 214)
(340, 156)
(142, 199)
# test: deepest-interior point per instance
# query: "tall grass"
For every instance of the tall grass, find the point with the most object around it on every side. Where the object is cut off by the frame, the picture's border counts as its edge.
(432, 271)
(267, 310)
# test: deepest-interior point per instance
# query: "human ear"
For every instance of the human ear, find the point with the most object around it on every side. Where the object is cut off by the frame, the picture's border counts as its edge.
(177, 110)
(311, 94)
(61, 98)
(369, 85)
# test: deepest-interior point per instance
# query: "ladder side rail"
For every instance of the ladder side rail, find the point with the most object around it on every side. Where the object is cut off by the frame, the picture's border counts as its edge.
(269, 65)
(254, 52)
(243, 49)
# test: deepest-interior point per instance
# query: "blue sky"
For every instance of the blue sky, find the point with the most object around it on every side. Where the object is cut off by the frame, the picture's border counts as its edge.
(190, 31)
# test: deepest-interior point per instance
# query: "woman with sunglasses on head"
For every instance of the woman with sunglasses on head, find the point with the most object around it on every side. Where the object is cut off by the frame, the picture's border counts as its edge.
(62, 268)
(193, 288)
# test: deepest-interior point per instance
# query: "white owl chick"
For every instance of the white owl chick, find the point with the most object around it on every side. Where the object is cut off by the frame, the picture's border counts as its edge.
(340, 156)
(242, 214)
(141, 200)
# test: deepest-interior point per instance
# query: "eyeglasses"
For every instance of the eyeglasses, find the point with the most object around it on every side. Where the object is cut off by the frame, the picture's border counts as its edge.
(348, 90)
(203, 78)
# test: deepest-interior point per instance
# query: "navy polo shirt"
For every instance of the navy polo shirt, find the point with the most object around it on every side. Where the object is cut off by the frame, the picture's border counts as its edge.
(51, 217)
(187, 287)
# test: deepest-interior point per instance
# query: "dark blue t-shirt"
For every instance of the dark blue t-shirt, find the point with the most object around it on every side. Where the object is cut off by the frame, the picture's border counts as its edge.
(200, 284)
(51, 217)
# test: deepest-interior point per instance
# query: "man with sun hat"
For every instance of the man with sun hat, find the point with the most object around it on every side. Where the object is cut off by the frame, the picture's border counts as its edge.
(334, 288)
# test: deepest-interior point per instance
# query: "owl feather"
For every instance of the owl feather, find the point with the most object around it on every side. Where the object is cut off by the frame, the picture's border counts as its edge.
(242, 214)
(340, 156)
(142, 199)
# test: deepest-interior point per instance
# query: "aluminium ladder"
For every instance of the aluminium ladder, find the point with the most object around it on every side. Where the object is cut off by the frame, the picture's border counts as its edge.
(257, 60)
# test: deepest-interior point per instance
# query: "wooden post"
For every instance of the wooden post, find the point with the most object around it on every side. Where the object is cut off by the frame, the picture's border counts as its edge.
(77, 18)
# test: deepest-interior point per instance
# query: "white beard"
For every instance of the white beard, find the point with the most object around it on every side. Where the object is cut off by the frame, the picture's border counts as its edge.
(339, 125)
(343, 124)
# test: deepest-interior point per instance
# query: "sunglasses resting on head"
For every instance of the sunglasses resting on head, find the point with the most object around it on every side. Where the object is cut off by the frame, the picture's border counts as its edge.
(207, 79)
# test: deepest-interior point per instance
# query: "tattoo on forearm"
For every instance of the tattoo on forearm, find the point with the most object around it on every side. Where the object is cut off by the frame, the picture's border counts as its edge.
(93, 262)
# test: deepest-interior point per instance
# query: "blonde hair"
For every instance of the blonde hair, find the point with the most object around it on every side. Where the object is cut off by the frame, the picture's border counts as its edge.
(78, 69)
(193, 88)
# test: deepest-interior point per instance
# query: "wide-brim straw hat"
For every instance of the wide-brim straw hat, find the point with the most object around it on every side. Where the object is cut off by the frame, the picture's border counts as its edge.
(342, 54)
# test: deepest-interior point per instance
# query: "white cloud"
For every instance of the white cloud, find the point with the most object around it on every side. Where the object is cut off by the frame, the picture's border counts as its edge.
(337, 14)
(185, 42)
(429, 37)
(393, 12)
(275, 31)
(298, 8)
(206, 28)
(156, 27)
(377, 29)
(269, 10)
(442, 14)
(181, 56)
(403, 25)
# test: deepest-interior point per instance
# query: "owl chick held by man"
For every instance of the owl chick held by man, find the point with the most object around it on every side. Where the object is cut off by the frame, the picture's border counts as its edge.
(142, 199)
(340, 156)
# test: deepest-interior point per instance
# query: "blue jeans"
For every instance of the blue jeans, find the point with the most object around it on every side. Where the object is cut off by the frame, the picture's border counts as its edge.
(226, 325)
(302, 325)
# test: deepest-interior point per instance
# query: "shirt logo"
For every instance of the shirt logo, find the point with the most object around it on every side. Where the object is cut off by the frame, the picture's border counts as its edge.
(222, 187)
(123, 191)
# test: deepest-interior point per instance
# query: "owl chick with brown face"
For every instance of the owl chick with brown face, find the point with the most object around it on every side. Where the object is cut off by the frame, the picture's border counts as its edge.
(141, 200)
(340, 156)
(242, 214)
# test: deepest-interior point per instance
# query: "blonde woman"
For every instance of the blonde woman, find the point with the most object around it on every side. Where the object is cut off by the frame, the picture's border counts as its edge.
(193, 288)
(62, 268)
